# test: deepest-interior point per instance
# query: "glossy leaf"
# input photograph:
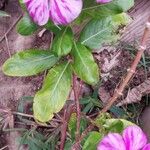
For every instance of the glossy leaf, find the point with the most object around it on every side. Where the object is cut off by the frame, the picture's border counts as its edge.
(97, 11)
(92, 141)
(113, 8)
(52, 27)
(26, 26)
(103, 31)
(51, 98)
(84, 64)
(109, 123)
(63, 42)
(30, 62)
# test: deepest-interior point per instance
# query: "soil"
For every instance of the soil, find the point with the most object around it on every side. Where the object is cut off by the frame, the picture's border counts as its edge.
(117, 70)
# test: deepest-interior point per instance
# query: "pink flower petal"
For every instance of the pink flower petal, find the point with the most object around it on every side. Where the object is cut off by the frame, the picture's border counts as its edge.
(134, 138)
(64, 11)
(103, 1)
(146, 147)
(38, 10)
(113, 141)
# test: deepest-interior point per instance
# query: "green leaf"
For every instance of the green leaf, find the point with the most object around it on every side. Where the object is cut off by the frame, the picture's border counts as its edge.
(120, 19)
(103, 31)
(114, 8)
(116, 126)
(84, 64)
(109, 123)
(22, 4)
(30, 62)
(101, 120)
(72, 125)
(51, 98)
(4, 14)
(118, 112)
(68, 144)
(63, 42)
(26, 26)
(34, 140)
(96, 32)
(92, 141)
(104, 10)
(52, 27)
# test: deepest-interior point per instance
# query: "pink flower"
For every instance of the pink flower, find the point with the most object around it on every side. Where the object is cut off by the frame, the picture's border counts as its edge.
(59, 11)
(103, 1)
(132, 138)
(64, 11)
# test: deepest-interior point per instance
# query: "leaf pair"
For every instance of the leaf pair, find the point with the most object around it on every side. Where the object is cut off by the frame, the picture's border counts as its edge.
(56, 87)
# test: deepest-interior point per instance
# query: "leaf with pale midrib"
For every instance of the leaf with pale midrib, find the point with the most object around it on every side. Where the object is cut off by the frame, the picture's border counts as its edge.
(99, 32)
(53, 95)
(63, 42)
(84, 64)
(30, 62)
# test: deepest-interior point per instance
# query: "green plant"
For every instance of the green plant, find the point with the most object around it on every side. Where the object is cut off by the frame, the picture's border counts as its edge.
(69, 58)
(67, 55)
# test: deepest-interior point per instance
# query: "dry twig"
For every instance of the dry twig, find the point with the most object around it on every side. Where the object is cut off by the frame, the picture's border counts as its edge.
(131, 70)
(3, 37)
(67, 114)
(76, 95)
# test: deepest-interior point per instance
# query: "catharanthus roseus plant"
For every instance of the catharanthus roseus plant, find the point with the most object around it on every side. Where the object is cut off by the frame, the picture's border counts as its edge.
(69, 54)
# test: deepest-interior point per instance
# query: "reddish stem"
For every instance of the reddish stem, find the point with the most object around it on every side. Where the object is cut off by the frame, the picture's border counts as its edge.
(77, 94)
(66, 118)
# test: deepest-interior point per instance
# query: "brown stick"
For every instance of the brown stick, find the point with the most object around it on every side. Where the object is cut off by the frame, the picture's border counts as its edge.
(66, 118)
(63, 131)
(131, 71)
(76, 95)
(3, 37)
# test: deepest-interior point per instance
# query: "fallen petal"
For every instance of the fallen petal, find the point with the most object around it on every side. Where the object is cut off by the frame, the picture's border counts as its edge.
(146, 147)
(134, 138)
(38, 10)
(103, 1)
(64, 11)
(113, 141)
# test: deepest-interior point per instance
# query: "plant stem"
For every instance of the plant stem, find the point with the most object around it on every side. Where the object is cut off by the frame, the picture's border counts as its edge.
(66, 118)
(22, 114)
(76, 95)
(85, 132)
(63, 131)
(4, 147)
